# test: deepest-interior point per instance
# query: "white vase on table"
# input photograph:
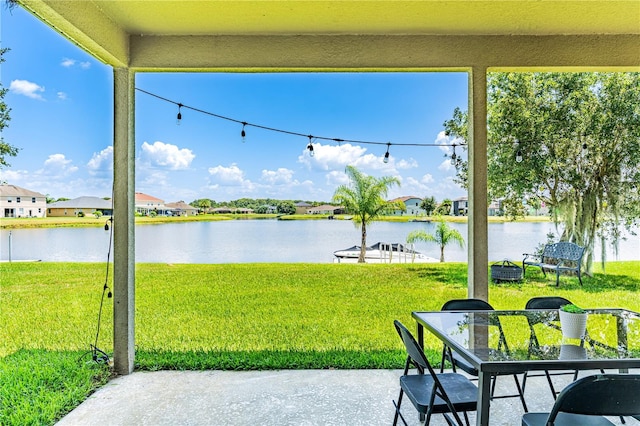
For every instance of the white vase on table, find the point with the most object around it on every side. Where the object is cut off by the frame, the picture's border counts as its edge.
(573, 325)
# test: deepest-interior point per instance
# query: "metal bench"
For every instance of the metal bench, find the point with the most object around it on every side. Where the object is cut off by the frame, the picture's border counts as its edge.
(559, 257)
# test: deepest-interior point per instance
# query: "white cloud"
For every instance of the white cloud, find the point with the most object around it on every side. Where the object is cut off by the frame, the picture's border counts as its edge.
(227, 176)
(62, 96)
(427, 178)
(332, 157)
(281, 176)
(101, 162)
(445, 142)
(167, 155)
(406, 164)
(13, 176)
(336, 178)
(26, 88)
(57, 166)
(446, 166)
(68, 63)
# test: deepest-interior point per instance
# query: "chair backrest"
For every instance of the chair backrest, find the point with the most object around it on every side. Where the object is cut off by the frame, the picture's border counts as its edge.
(414, 351)
(600, 395)
(466, 305)
(564, 250)
(476, 305)
(546, 302)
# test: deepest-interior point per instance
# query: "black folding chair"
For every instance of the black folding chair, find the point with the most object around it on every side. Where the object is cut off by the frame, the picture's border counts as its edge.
(459, 362)
(431, 393)
(586, 400)
(544, 302)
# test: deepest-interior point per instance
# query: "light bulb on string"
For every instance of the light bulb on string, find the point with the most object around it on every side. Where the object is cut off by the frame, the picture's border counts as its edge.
(310, 147)
(386, 154)
(179, 116)
(453, 156)
(243, 134)
(519, 156)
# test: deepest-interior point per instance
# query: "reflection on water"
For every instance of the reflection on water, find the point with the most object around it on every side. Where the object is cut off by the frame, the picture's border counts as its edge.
(245, 241)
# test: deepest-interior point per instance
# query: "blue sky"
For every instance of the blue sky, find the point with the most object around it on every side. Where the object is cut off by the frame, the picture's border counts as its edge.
(61, 119)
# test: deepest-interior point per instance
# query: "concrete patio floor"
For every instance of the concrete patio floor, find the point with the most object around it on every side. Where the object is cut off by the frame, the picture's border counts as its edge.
(284, 397)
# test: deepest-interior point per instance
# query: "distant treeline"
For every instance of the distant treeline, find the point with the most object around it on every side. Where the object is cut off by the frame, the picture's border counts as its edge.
(250, 203)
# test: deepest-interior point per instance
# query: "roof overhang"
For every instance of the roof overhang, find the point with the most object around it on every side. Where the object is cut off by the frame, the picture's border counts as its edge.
(286, 35)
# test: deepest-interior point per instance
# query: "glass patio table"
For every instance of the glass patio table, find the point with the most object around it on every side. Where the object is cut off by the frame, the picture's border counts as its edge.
(531, 340)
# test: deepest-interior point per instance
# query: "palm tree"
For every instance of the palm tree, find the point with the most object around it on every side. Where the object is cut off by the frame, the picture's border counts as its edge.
(364, 197)
(442, 235)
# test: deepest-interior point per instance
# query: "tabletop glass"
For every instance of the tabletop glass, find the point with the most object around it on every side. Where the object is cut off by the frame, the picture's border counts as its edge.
(534, 337)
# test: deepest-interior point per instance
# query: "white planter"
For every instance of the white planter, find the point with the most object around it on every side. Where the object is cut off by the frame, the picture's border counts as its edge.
(574, 326)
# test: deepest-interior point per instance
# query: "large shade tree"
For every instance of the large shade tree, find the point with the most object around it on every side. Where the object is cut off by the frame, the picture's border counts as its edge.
(6, 150)
(570, 141)
(365, 198)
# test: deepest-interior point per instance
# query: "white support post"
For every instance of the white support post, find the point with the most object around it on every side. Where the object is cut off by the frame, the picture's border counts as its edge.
(123, 221)
(478, 248)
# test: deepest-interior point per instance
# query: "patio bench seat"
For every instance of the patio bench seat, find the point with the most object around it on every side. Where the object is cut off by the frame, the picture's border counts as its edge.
(559, 257)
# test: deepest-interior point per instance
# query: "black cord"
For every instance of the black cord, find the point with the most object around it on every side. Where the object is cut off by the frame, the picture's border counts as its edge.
(98, 355)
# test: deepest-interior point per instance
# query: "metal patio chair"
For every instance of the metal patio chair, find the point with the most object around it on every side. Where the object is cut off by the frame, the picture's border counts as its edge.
(586, 400)
(430, 392)
(544, 302)
(459, 362)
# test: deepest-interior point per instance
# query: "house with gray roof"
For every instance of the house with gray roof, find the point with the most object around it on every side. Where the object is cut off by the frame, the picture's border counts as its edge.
(180, 208)
(20, 202)
(80, 206)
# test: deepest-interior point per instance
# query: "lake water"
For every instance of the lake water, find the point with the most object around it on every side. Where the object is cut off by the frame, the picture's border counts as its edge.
(247, 241)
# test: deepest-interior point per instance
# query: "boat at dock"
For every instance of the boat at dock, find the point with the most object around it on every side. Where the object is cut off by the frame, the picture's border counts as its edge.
(383, 253)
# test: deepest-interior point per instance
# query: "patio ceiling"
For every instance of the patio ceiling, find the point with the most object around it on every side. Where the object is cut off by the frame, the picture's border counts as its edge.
(145, 35)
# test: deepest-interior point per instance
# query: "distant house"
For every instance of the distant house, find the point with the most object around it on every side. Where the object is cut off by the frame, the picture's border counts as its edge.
(495, 208)
(84, 205)
(222, 210)
(302, 207)
(412, 206)
(269, 209)
(20, 202)
(460, 206)
(326, 209)
(180, 208)
(231, 210)
(146, 204)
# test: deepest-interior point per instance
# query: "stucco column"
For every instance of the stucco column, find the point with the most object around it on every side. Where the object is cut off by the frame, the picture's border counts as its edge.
(123, 221)
(478, 249)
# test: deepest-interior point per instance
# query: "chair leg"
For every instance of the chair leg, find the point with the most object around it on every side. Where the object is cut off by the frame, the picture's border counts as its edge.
(395, 418)
(553, 389)
(520, 392)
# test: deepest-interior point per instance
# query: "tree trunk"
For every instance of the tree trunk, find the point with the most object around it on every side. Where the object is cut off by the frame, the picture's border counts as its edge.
(363, 243)
(441, 253)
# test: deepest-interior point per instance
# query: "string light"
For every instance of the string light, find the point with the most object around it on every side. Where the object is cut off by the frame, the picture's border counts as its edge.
(310, 147)
(453, 156)
(179, 116)
(519, 156)
(288, 132)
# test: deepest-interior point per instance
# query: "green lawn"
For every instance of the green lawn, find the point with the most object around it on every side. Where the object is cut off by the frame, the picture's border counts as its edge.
(236, 316)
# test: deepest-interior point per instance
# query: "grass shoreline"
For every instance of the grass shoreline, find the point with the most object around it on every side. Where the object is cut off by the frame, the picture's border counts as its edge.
(91, 221)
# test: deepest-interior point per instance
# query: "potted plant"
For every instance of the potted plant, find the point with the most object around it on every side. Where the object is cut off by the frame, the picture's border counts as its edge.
(573, 321)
